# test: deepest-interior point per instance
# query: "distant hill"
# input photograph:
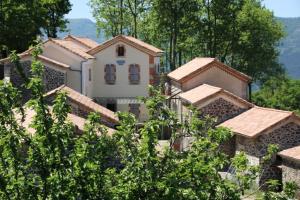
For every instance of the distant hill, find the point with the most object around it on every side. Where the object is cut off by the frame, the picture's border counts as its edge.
(84, 28)
(289, 47)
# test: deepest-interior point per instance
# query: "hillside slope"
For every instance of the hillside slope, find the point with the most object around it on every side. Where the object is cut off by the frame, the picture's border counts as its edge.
(289, 47)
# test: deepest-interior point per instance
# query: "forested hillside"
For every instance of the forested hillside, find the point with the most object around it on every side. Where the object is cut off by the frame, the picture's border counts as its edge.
(289, 47)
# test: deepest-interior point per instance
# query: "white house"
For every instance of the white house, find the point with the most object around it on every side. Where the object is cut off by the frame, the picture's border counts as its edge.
(113, 73)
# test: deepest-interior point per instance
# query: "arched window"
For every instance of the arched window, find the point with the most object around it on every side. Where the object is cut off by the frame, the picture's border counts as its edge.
(134, 74)
(120, 50)
(110, 74)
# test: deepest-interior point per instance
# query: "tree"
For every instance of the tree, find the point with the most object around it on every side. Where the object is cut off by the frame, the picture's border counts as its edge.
(54, 16)
(21, 21)
(172, 19)
(111, 16)
(136, 9)
(55, 163)
(280, 93)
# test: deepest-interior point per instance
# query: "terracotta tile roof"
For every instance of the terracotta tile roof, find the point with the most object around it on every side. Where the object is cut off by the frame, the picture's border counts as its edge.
(136, 43)
(293, 153)
(205, 92)
(83, 40)
(27, 54)
(72, 47)
(76, 120)
(257, 120)
(199, 65)
(85, 102)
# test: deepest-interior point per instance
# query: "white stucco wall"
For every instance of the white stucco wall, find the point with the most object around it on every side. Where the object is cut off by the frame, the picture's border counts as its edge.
(217, 77)
(60, 54)
(122, 87)
(87, 85)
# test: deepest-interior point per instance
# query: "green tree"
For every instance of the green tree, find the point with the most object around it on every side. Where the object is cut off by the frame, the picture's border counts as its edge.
(111, 16)
(21, 21)
(279, 93)
(54, 16)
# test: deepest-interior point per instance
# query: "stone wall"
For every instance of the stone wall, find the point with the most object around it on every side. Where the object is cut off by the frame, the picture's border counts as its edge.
(52, 78)
(285, 137)
(82, 111)
(222, 110)
(291, 172)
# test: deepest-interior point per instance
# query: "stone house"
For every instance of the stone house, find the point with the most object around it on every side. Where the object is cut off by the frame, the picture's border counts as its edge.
(82, 105)
(77, 121)
(214, 102)
(113, 73)
(259, 127)
(208, 71)
(212, 72)
(290, 166)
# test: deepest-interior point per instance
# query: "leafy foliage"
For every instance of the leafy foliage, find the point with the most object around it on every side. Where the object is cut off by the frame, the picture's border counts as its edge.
(22, 21)
(280, 93)
(55, 163)
(241, 33)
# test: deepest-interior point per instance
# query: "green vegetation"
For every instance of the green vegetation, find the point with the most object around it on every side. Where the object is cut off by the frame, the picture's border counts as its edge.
(280, 93)
(242, 33)
(22, 21)
(53, 163)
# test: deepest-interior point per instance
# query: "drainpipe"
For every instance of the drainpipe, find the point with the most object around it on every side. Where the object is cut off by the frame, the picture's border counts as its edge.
(80, 71)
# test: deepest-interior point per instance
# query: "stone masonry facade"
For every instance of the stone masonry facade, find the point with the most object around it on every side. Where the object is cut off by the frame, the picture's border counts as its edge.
(285, 137)
(83, 112)
(52, 78)
(222, 110)
(291, 172)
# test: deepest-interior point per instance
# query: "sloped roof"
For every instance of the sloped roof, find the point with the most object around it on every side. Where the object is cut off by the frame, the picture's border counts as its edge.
(205, 92)
(199, 65)
(293, 153)
(136, 43)
(85, 102)
(76, 120)
(89, 43)
(257, 120)
(41, 58)
(72, 47)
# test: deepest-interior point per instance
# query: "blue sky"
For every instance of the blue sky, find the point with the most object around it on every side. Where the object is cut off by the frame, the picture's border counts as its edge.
(281, 8)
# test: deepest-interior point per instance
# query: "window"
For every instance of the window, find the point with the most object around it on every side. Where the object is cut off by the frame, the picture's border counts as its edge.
(110, 74)
(135, 109)
(121, 50)
(90, 74)
(134, 74)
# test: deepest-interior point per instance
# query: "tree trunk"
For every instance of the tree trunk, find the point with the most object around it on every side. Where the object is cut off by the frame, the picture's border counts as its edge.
(121, 16)
(180, 58)
(170, 53)
(135, 18)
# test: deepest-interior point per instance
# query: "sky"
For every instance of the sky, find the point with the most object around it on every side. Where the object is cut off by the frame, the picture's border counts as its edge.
(281, 8)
